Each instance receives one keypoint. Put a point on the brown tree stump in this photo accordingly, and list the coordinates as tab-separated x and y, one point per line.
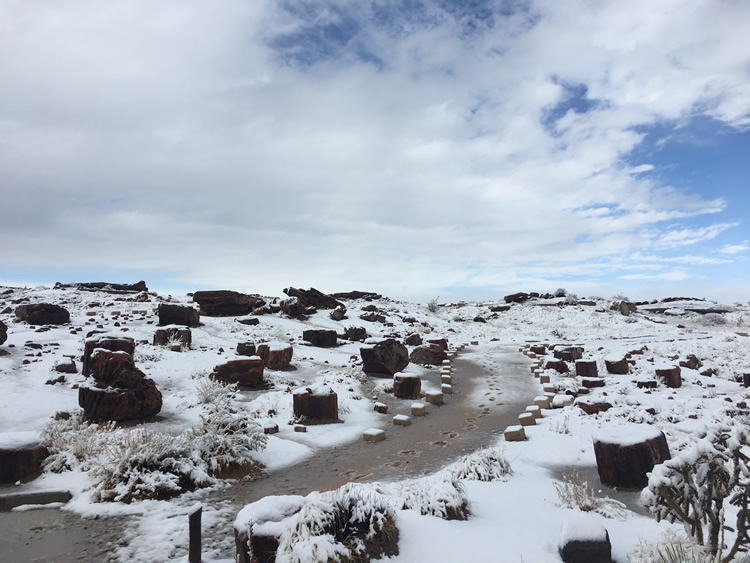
617	366
406	386
625	454
319	404
112	343
276	356
586	368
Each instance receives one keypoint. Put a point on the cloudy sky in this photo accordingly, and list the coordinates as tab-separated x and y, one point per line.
418	148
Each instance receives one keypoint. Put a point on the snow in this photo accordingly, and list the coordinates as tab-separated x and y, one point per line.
518	511
578	527
13	440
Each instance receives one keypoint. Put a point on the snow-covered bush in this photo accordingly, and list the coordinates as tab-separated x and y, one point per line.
432	305
442	495
483	465
712	319
702	486
670	549
72	441
560	292
571	299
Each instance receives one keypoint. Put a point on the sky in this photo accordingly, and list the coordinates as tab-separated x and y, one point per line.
420	149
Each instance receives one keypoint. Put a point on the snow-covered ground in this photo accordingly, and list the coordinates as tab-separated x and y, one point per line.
518	518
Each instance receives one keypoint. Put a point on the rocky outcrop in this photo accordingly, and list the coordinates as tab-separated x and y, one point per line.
246	373
432	355
313	298
320	337
43	314
384	359
111	343
178	315
226	303
276	356
121	391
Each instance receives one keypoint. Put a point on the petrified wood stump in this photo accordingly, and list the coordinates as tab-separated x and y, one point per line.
406	386
625	454
316	404
178	315
276	356
586	368
248	373
320	337
112	343
671	377
617	367
21	456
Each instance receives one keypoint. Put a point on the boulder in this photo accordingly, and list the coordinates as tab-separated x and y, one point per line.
66	365
111	343
373	318
671	377
338	313
626	454
21	456
594	408
384	359
292	307
413	340
320	337
406	386
175	338
442	342
617	366
226	303
246	373
178	315
276	355
432	355
3	332
313	298
559	366
246	349
43	314
121	392
519	297
320	403
356	333
370	309
586	368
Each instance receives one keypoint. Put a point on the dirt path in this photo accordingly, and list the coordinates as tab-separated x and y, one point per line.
490	391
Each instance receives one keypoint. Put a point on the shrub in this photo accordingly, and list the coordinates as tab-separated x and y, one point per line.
576	493
560	292
484	465
432	305
695	487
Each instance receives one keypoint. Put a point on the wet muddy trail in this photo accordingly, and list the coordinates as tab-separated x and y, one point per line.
490	390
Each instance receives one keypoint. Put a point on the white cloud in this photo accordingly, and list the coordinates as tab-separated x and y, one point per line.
176	135
732	249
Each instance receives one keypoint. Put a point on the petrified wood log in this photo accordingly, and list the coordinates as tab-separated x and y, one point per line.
617	367
247	373
671	377
428	355
320	337
385	358
276	356
406	386
21	456
586	368
226	303
318	404
111	343
313	298
42	314
178	315
625	454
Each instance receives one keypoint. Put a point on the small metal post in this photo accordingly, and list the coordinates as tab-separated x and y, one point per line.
194	517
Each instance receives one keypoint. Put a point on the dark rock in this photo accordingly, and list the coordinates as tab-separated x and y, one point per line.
55	381
339	313
226	303
385	358
66	366
3	332
249	322
276	356
691	362
442	342
43	314
592	382
356	333
587	550
21	461
313	298
651	384
178	315
112	343
710	372
539	350
370	308
373	318
320	404
246	349
499	308
406	386
569	354
320	337
519	297
428	355
366	295
413	340
106	287
410	320
247	373
671	377
627	465
175	338
559	366
292	307
617	367
594	408
586	368
479	320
